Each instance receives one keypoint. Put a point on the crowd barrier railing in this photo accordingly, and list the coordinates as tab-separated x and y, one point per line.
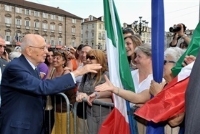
73	108
96	102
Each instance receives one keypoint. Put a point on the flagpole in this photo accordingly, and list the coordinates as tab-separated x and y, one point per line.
157	18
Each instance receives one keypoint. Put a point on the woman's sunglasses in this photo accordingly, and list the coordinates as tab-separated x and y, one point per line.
90	57
165	61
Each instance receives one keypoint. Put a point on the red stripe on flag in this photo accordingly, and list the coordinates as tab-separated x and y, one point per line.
115	123
168	103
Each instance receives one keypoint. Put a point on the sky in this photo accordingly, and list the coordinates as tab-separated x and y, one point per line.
176	11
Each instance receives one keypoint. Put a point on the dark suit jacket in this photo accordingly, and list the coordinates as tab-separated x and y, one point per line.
192	113
22	108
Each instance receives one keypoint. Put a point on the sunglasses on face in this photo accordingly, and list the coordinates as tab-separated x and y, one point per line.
90	57
170	61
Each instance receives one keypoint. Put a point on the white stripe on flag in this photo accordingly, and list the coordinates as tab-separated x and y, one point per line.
185	71
113	60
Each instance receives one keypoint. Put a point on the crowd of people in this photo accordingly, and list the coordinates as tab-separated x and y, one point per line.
34	73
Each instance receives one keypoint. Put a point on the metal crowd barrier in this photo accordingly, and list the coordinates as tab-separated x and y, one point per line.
74	110
68	109
49	104
97	102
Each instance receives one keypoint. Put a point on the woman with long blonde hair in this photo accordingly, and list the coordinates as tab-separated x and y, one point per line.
86	90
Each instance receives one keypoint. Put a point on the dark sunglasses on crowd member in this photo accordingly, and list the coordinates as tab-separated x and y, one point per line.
90	57
165	61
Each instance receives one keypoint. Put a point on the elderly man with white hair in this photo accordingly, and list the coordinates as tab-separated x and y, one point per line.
22	90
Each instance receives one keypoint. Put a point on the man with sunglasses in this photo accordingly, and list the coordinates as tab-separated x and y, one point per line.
3	62
23	92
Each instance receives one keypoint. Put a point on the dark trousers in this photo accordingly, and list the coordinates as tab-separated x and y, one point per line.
49	121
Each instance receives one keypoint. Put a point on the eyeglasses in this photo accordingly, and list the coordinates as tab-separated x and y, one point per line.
90	57
170	61
42	48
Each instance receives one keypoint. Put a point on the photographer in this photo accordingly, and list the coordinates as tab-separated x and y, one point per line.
179	33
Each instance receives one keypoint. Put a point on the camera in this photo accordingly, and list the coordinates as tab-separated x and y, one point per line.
177	28
174	29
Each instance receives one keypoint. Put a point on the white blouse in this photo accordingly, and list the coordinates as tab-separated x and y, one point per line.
145	84
139	87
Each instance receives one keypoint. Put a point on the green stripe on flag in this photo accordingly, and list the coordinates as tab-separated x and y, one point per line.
192	49
114	32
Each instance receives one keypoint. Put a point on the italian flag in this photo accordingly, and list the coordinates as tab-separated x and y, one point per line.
171	100
119	72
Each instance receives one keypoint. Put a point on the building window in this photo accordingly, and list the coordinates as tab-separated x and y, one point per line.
52	27
92	25
27	12
103	36
59	41
73	43
18	22
36	24
27	23
92	34
74	21
73	30
7	20
18	10
45	15
8	8
91	17
53	16
99	26
44	26
99	35
60	18
60	28
36	13
52	41
100	46
18	37
8	37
